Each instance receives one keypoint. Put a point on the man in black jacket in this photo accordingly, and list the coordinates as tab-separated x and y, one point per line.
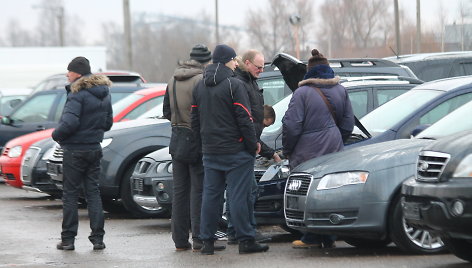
87	115
221	115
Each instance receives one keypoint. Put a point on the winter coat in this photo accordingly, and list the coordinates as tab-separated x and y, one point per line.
186	75
221	113
87	114
257	108
309	129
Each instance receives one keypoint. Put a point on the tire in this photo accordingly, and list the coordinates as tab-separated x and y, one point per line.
131	206
411	239
367	243
290	230
460	247
113	206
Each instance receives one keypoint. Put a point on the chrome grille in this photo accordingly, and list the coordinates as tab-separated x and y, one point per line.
298	184
431	165
142	167
58	153
294	215
29	160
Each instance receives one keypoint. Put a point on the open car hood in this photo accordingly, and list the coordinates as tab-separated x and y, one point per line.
293	70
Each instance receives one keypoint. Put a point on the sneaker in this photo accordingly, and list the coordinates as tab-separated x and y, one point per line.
99	246
65	246
251	246
301	244
183	248
198	245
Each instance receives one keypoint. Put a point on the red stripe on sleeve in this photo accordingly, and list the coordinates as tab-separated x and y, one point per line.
246	109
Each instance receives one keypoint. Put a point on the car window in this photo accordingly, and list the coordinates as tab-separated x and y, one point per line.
463	68
123	103
449	124
275	89
384	95
467	68
144	107
6	103
392	112
117	96
36	109
359	101
60	108
445	108
154	112
433	72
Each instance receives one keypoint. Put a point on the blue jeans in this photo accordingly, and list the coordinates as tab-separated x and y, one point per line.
235	172
82	168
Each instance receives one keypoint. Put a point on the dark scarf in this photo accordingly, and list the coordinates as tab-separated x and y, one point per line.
320	71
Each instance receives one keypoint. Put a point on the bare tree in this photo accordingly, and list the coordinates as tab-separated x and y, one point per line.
18	36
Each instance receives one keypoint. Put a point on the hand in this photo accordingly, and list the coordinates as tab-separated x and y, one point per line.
276	158
258	150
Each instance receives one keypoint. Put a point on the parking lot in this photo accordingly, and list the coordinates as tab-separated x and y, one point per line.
31	228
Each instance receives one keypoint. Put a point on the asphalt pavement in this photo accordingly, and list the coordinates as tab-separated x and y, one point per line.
31	225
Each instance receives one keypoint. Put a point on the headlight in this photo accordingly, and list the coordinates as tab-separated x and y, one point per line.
48	153
337	180
464	169
164	167
15	151
106	142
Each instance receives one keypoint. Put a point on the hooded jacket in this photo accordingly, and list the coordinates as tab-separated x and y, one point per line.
309	129
221	114
186	75
257	107
87	114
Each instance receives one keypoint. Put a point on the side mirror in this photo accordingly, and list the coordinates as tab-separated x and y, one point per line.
6	120
418	129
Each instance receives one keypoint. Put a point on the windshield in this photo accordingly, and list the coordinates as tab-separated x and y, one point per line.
454	122
280	108
392	112
124	103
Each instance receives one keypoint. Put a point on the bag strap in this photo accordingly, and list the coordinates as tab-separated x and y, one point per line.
177	111
330	107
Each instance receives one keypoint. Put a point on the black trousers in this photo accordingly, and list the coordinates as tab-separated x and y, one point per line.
186	201
82	169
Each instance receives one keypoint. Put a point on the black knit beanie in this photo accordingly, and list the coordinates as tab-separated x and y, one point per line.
79	65
200	53
223	54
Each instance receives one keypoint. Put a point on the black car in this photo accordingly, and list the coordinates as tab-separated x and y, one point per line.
125	144
439	197
433	66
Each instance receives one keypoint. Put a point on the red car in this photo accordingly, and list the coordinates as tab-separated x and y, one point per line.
127	108
139	102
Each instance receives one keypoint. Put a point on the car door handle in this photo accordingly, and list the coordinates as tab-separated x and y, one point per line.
39	128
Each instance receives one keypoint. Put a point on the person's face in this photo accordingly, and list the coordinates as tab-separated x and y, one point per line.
256	66
72	76
232	64
268	122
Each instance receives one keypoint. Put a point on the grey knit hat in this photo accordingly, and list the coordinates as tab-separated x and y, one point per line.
200	53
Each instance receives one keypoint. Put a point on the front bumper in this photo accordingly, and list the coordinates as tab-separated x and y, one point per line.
10	171
269	207
431	206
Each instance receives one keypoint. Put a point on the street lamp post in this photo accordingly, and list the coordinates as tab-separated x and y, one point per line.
295	21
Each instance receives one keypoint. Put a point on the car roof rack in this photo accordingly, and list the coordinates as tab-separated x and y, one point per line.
361	62
382	78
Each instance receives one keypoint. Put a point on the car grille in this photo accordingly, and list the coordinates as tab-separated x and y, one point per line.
431	165
142	167
138	185
58	153
258	174
298	184
294	215
5	152
29	160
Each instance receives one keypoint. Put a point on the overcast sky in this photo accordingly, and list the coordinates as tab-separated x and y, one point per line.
231	12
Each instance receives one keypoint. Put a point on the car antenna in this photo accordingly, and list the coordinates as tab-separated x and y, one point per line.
394	52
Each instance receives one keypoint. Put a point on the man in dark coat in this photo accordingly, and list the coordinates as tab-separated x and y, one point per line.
222	117
318	119
187	177
86	116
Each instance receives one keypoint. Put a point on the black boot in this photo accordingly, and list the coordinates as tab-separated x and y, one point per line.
251	246
208	247
198	244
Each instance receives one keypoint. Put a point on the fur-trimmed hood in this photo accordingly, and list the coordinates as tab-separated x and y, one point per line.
320	81
89	81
